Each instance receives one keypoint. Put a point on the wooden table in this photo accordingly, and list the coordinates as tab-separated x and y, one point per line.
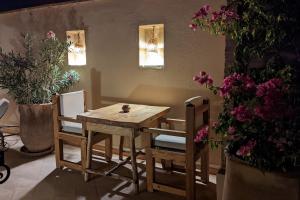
112	120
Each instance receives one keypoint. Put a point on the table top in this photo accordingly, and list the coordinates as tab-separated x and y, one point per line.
135	118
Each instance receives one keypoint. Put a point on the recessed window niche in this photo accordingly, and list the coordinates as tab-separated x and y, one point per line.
77	49
151	46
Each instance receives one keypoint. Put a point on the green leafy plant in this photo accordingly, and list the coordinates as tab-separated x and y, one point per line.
35	75
258	122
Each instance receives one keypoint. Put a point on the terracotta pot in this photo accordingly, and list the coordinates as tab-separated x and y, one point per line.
36	128
243	182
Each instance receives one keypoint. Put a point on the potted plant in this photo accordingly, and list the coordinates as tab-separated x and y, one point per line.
31	78
259	123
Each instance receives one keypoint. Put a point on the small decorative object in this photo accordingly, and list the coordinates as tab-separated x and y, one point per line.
32	77
151	45
125	108
77	49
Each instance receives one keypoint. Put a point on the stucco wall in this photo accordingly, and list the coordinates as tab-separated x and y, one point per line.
112	72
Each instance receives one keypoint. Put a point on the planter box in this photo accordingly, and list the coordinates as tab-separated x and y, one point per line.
36	127
220	183
243	182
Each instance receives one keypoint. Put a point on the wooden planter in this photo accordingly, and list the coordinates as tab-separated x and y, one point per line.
36	127
243	182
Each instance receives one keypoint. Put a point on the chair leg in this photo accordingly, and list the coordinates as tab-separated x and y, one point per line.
59	152
121	146
87	151
133	163
190	180
108	148
205	165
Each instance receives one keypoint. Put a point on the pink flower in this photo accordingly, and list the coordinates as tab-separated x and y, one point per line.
231	130
203	78
245	150
231	15
193	26
210	81
201	135
215	16
279	143
203	12
273	104
238	81
50	35
269	87
70	77
241	113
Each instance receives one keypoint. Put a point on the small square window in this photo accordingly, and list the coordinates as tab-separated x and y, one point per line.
77	49
151	46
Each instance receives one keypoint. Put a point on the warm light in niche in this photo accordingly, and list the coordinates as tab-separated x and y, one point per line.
77	53
151	46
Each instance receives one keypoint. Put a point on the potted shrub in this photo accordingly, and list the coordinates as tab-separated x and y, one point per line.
31	78
259	123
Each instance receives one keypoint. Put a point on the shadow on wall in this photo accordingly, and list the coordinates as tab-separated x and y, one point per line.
57	21
164	96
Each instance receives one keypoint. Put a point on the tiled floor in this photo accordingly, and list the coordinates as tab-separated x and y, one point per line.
35	178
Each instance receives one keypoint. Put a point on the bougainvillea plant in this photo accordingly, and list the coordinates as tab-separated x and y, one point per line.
34	76
258	123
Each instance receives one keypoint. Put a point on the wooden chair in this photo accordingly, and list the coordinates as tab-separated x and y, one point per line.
6	129
179	147
67	129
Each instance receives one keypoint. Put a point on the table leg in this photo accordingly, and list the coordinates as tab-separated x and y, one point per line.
121	148
133	162
89	154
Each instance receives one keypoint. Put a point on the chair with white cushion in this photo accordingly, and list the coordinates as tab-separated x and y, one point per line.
178	147
67	129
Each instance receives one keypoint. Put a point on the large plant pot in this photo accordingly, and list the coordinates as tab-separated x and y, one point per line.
243	182
36	128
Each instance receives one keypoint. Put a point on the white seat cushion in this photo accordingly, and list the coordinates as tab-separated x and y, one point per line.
171	142
72	129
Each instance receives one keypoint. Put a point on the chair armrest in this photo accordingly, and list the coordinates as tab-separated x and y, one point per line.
164	131
8	126
174	121
68	119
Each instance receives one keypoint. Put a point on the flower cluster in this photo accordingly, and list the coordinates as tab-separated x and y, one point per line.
279	143
201	135
249	105
216	21
202	12
50	35
241	113
225	14
271	93
203	78
236	80
245	150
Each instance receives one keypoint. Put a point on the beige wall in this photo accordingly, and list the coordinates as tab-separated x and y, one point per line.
112	72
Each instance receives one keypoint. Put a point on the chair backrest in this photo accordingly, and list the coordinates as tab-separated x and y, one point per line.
69	105
197	117
4	103
72	104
